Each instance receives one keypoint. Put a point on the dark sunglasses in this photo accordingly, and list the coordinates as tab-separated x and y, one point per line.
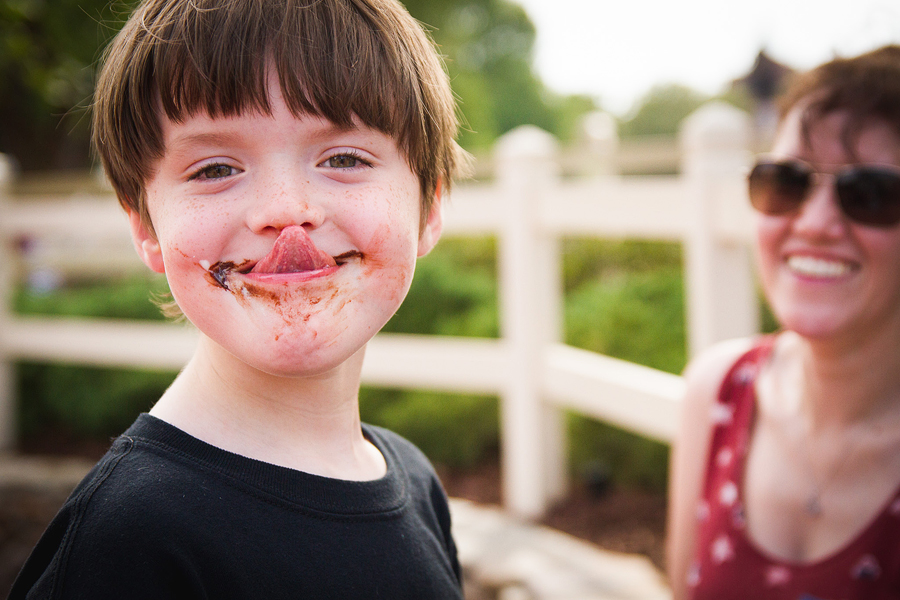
867	194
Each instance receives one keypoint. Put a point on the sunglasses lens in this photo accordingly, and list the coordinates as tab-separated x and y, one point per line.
777	188
870	196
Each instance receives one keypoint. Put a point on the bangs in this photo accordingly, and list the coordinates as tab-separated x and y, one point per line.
327	60
337	59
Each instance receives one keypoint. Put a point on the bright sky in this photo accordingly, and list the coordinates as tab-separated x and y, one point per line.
616	50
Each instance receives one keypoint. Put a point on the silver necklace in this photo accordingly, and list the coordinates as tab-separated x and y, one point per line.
813	503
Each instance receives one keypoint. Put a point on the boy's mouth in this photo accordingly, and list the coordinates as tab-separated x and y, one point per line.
293	252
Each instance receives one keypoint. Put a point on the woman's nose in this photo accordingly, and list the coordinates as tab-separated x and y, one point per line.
820	214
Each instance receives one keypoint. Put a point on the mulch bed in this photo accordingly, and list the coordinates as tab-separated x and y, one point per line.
622	520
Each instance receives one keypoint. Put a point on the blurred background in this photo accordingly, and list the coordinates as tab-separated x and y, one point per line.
543	62
550	63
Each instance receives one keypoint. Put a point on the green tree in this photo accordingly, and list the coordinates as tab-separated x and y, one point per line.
661	111
47	55
49	52
488	45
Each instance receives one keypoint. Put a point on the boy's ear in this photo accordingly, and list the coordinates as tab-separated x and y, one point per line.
145	243
431	233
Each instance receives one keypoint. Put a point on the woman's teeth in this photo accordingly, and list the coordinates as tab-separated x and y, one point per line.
817	267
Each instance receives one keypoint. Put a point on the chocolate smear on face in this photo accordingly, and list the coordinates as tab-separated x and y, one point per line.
346	256
218	273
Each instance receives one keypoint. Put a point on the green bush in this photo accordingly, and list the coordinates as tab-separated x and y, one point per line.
122	298
635	317
86	402
452	429
590	259
454	292
626	300
630	460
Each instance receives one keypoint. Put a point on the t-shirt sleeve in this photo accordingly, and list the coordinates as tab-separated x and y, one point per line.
442	510
107	542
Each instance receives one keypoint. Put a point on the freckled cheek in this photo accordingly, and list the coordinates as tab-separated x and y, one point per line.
388	262
392	285
389	243
195	237
393	248
182	257
369	212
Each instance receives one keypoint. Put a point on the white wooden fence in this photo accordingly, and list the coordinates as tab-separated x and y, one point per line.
529	207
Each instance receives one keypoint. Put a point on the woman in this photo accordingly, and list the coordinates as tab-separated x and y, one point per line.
786	474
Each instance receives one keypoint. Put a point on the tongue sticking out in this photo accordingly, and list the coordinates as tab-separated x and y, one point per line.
294	252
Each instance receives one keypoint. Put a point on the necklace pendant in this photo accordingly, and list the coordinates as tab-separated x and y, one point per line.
813	505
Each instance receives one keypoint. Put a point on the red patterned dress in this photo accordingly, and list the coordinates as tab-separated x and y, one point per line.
728	565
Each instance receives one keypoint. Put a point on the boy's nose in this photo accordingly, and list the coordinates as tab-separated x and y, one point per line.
282	204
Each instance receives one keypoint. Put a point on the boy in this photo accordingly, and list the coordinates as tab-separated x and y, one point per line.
282	162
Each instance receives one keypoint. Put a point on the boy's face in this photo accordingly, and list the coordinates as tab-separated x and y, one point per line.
287	241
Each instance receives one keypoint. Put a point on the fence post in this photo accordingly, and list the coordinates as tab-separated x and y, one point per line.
7	383
532	433
719	275
601	137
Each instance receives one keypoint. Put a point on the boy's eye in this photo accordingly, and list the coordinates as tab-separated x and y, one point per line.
345	161
216	171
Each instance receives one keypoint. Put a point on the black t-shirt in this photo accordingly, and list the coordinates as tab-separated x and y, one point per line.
165	515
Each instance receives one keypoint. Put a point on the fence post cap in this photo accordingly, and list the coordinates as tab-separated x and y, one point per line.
716	124
526	141
600	126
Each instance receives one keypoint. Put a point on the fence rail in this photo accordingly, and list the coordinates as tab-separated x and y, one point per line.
529	207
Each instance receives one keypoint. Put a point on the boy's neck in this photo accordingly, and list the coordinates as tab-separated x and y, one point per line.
306	423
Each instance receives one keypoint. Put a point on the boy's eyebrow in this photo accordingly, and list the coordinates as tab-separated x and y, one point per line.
188	139
230	137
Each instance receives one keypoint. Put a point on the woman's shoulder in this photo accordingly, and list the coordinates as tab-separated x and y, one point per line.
704	374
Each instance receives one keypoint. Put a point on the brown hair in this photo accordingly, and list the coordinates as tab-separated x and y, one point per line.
334	58
866	87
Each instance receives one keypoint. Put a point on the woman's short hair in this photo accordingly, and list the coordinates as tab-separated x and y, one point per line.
865	87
